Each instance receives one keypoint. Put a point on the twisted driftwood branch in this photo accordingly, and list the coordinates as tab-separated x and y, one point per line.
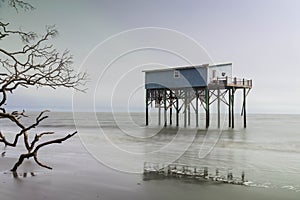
35	151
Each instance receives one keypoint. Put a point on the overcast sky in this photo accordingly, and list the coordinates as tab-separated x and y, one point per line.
260	37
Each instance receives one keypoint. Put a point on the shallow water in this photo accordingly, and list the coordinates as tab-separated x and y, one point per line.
268	150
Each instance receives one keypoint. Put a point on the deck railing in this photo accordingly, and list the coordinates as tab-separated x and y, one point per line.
233	81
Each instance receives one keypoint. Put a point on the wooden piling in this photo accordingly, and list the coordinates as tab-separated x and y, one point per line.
244	107
165	108
207	106
189	114
232	108
219	109
171	105
159	113
196	111
177	111
185	107
229	107
147	119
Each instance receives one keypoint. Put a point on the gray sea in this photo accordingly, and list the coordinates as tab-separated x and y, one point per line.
268	150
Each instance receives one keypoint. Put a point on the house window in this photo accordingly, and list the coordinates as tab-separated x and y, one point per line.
176	74
214	74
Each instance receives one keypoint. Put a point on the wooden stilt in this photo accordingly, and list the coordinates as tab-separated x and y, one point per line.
159	112
177	111
207	106
232	108
147	120
244	107
185	106
165	108
197	120
229	107
189	114
219	109
171	105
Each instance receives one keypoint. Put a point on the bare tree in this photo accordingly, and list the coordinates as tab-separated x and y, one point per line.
35	63
18	4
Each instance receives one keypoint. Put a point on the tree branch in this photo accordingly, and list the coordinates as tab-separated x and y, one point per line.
17	4
35	152
35	63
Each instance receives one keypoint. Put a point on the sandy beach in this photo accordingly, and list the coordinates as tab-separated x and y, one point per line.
77	175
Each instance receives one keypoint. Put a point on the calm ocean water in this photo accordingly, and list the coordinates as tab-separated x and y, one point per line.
268	150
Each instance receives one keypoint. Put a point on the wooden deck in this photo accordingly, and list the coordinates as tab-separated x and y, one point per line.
228	82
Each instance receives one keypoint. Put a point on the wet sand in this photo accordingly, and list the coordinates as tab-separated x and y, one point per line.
76	175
